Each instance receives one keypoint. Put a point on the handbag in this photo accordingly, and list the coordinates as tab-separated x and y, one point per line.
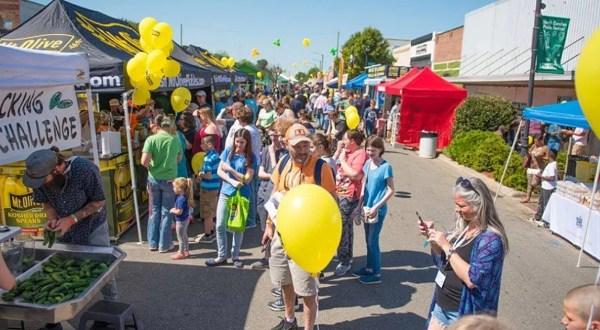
238	207
358	214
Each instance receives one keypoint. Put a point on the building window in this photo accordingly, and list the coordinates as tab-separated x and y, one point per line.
8	24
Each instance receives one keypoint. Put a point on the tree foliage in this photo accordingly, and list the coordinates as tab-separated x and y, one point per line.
487	152
302	77
483	112
262	64
368	42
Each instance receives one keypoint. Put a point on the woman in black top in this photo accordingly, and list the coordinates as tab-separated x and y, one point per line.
187	125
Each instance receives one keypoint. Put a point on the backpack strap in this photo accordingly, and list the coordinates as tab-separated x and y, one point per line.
283	162
318	167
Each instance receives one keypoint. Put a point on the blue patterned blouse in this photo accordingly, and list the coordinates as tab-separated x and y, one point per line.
487	259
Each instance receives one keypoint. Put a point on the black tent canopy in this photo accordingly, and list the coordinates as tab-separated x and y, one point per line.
109	43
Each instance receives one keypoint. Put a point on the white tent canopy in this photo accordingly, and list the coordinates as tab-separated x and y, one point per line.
24	68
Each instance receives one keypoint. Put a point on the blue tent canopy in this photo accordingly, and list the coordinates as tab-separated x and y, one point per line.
357	82
562	114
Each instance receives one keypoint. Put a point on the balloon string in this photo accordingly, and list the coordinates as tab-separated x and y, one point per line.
589	323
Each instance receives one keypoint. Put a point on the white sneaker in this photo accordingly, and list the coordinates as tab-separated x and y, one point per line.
341	270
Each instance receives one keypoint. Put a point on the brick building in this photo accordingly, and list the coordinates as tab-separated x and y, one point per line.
15	12
448	48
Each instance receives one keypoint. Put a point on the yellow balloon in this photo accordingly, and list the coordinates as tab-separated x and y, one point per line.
298	228
168	49
586	81
157	60
136	67
180	99
152	80
140	96
224	61
352	120
146	45
259	75
351	109
161	35
172	68
145	28
198	162
231	62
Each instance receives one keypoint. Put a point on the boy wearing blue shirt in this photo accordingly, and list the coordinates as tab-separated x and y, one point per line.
209	191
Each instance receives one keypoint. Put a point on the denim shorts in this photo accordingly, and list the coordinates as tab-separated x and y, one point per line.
443	317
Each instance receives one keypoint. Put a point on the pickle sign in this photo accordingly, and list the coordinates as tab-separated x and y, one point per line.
56	102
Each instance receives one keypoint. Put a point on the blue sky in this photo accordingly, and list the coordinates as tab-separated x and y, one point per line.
237	26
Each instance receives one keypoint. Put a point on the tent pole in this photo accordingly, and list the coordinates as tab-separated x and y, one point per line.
132	166
508	160
589	215
92	123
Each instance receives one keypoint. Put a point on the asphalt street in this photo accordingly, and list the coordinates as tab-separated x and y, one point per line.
538	271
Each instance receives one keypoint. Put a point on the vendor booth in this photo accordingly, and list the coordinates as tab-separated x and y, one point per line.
428	104
109	43
47	115
573	210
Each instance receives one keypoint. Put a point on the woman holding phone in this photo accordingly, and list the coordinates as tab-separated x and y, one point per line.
469	257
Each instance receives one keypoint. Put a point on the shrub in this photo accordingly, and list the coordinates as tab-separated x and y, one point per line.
486	151
484	113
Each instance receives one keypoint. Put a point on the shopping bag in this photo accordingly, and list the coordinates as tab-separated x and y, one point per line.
238	207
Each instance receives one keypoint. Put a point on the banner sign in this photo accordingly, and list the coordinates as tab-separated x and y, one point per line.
34	119
551	42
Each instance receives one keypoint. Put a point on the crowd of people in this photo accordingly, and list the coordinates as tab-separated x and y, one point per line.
258	147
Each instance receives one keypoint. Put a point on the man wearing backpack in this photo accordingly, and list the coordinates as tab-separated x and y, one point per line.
299	167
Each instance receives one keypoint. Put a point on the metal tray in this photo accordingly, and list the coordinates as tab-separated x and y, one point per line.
55	313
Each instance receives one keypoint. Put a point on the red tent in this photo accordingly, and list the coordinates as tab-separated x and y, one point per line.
383	86
428	104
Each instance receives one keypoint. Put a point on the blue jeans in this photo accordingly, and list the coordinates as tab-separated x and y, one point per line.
320	118
222	216
99	237
162	199
251	222
443	317
372	237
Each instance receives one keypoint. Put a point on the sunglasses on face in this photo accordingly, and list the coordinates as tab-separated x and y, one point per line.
465	183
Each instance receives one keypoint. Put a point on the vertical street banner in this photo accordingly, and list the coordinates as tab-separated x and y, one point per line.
33	119
551	42
341	73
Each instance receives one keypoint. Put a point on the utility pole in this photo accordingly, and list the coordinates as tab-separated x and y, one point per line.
337	46
181	34
534	42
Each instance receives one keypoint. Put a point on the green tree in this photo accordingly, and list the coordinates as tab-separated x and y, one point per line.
302	77
366	45
312	72
262	64
483	112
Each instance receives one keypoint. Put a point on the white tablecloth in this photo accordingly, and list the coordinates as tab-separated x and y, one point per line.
568	219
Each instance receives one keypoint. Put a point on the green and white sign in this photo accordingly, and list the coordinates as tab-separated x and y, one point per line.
551	42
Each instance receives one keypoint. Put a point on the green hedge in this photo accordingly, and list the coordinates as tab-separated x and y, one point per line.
483	112
487	152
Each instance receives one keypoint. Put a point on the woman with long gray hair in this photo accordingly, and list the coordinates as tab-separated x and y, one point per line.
469	257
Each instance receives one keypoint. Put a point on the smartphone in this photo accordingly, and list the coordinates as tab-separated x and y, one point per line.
422	223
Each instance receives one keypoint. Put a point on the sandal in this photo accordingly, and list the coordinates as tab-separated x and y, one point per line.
524	201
